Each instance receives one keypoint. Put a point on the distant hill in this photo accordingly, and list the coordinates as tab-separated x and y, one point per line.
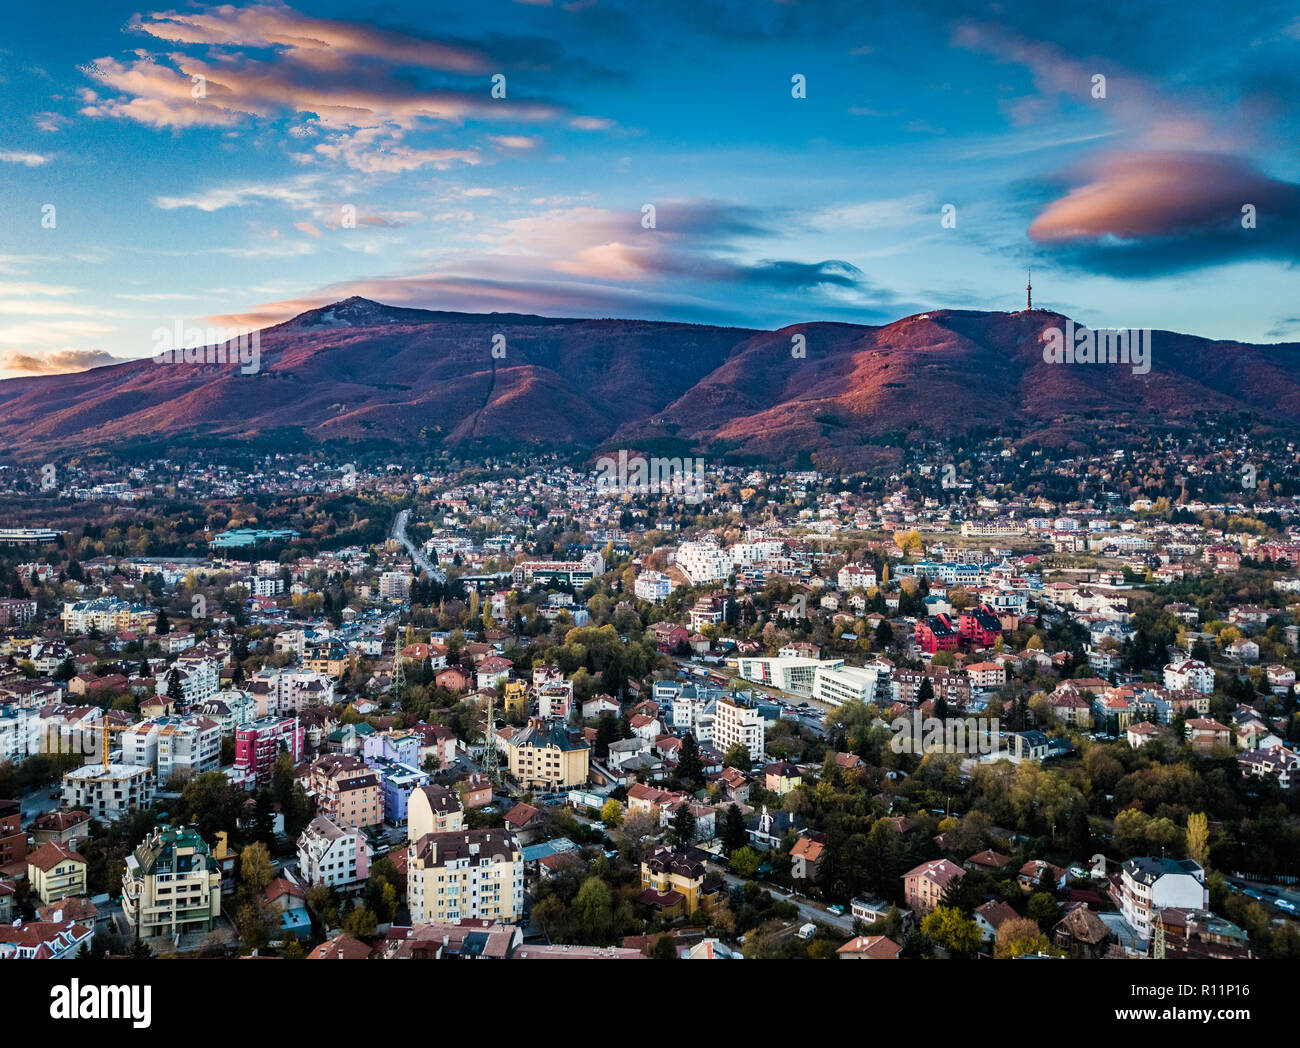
361	371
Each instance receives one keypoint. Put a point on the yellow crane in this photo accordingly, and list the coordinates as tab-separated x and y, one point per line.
105	735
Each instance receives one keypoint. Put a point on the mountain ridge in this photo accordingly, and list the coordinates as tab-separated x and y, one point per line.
830	393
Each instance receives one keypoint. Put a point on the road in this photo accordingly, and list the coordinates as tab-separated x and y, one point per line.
808	910
422	562
1268	894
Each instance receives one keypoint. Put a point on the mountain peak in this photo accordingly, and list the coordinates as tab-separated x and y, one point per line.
354	312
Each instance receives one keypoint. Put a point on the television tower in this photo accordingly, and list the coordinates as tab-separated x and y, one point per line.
1029	290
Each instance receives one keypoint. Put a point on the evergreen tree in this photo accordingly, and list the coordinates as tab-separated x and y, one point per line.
734	834
690	769
684	826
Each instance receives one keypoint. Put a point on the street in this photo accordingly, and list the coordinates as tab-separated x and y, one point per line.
399	533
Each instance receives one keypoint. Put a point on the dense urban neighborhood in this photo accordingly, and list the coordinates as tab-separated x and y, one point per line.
995	700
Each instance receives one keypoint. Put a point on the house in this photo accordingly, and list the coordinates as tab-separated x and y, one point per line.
1140	733
526	822
782	777
1206	734
677	882
804	856
870	948
990	916
71	908
924	886
291	900
1081	934
43	940
347	792
1276	762
475	790
988	860
55	871
768	829
1037	874
341	948
1189	673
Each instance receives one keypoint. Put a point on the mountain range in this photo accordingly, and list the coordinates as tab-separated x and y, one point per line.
824	394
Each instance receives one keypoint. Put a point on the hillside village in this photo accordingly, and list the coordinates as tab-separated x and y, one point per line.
307	710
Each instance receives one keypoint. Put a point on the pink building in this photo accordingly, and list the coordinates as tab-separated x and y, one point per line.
258	744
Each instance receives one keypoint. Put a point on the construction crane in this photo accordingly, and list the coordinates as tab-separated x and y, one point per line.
105	737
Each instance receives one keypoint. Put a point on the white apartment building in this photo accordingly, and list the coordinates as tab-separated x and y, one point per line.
465	873
106	614
703	562
839	684
109	794
168	745
338	856
200	680
855	576
19	732
736	723
653	586
746	554
1189	674
1149	885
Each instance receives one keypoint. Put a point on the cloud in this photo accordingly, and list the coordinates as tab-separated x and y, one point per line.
10	156
308	228
1166	211
15	362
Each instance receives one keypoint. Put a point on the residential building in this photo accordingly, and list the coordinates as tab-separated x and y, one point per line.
737	722
677	881
109	793
172	884
925	885
433	809
465	873
171	745
55	871
337	856
543	756
346	791
257	745
1149	885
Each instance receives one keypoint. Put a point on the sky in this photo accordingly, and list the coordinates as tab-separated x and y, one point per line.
752	163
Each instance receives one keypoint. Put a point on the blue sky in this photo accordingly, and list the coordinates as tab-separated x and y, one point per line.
769	209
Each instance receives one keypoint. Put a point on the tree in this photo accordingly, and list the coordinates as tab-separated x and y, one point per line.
592	909
684	825
689	767
738	757
611	814
174	691
360	922
953	930
884	635
255	867
1042	907
745	862
734	833
1198	839
664	949
1017	936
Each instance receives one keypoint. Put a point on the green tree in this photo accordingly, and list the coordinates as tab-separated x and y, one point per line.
611	813
953	930
689	767
255	871
745	862
738	757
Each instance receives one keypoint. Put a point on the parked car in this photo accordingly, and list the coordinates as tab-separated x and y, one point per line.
836	909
